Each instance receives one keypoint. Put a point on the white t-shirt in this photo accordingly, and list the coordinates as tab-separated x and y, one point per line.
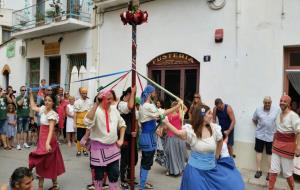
203	145
51	115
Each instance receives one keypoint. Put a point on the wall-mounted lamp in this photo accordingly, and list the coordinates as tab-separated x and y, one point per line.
60	39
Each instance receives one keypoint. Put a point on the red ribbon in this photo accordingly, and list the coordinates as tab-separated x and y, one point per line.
104	106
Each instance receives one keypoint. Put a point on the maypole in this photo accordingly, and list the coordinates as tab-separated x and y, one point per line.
134	17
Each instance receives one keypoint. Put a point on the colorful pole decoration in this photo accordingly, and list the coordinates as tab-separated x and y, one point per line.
134	17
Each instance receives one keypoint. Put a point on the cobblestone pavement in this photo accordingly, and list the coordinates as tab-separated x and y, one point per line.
77	174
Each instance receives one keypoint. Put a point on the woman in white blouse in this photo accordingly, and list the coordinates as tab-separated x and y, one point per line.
204	169
46	158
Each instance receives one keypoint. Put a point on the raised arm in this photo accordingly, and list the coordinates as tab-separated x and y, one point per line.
180	133
91	114
171	110
33	104
131	99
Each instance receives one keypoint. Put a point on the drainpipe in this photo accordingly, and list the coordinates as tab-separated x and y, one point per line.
237	29
99	24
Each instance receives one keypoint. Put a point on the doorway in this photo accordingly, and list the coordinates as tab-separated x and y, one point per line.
292	76
178	73
54	70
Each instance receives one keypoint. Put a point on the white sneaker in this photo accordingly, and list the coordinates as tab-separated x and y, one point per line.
19	147
26	145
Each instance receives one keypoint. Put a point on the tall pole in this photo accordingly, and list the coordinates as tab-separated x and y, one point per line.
133	119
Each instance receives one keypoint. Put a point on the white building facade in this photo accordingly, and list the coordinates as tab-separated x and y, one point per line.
51	39
259	44
258	56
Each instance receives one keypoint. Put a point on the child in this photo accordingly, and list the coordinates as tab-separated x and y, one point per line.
11	124
33	131
70	121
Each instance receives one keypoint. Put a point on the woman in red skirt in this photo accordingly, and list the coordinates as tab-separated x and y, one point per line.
47	158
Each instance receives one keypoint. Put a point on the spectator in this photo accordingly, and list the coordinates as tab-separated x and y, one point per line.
81	108
264	118
11	98
70	121
196	102
33	128
61	110
11	124
226	119
23	118
21	179
3	107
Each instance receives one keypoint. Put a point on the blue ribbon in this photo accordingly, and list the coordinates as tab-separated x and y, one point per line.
102	76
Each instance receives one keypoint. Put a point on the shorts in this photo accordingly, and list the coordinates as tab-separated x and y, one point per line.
23	124
80	133
259	146
2	126
230	137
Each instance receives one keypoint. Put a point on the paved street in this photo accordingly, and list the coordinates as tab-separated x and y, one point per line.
77	175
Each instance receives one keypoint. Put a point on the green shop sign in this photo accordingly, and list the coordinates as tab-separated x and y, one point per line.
10	49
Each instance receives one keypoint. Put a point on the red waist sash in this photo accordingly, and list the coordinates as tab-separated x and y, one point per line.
284	144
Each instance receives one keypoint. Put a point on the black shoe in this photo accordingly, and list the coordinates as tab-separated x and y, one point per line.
85	154
258	174
78	154
267	178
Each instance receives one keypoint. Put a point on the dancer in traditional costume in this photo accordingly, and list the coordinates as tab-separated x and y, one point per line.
81	107
125	106
175	148
148	114
202	171
286	144
47	158
104	122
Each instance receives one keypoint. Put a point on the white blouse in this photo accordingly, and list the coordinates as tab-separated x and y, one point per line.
203	145
51	115
149	112
98	125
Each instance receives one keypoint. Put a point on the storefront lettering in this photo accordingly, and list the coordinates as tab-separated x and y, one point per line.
173	58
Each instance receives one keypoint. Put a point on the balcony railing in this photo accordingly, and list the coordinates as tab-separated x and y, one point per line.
50	11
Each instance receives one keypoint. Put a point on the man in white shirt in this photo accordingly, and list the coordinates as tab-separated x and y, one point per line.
286	143
264	118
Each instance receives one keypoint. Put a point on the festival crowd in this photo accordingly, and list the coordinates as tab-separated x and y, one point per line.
194	142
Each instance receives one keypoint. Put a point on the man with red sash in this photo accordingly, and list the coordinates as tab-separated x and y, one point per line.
286	144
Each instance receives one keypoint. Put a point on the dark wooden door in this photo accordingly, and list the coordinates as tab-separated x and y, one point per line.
54	70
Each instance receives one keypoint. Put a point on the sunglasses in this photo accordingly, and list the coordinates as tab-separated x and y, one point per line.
23	90
196	96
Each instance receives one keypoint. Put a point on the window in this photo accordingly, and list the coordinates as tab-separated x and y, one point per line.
6	35
295	59
34	72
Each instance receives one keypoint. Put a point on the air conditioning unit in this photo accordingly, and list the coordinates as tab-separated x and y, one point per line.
22	51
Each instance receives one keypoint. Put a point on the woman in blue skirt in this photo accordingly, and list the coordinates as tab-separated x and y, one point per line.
205	169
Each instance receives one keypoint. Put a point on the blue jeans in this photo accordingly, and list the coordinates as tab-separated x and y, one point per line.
2	126
23	124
